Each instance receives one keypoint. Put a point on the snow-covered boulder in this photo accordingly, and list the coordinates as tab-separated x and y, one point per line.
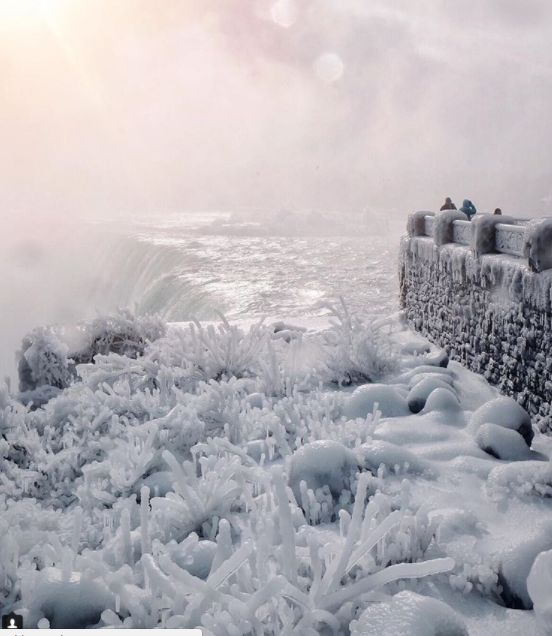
442	400
516	565
500	442
322	463
505	412
416	223
442	228
371	455
419	393
539	586
538	238
390	400
484	231
409	614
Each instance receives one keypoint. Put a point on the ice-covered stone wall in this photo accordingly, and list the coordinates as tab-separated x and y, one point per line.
492	311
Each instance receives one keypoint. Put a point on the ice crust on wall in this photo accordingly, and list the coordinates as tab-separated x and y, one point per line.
492	313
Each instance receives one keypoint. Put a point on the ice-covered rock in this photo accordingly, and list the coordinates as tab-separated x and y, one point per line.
442	399
505	412
500	442
322	463
419	393
539	586
371	455
73	601
409	614
390	400
516	565
437	359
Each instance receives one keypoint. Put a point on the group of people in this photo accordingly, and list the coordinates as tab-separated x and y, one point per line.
468	208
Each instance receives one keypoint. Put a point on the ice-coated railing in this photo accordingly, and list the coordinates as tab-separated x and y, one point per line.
508	237
428	224
487	233
461	232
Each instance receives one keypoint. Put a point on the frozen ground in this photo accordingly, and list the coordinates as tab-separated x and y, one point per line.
278	479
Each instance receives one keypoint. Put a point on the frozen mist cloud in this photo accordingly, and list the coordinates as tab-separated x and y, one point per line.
181	104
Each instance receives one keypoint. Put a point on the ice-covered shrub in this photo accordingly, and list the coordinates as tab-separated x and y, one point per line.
43	360
122	333
358	351
48	355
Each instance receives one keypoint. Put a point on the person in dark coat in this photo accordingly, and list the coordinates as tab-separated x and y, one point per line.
497	211
448	204
468	208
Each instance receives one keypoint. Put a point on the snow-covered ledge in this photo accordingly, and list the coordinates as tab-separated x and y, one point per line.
486	298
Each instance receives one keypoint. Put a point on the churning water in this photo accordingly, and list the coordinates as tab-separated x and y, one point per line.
184	266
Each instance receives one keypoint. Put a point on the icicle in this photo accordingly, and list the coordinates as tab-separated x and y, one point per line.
224	545
287	530
335	572
127	557
144	519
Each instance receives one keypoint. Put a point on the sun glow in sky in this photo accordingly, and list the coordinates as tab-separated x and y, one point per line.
112	105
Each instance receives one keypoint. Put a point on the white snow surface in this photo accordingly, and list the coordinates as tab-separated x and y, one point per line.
237	480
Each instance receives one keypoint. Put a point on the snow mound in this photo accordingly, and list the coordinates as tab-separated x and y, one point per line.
418	394
505	412
539	586
502	443
322	463
523	479
409	614
375	453
516	565
390	401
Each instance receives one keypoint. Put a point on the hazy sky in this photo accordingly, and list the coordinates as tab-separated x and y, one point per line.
139	105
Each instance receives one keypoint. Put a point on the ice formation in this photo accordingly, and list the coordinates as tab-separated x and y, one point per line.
229	478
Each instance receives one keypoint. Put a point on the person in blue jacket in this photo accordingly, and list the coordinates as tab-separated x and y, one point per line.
468	208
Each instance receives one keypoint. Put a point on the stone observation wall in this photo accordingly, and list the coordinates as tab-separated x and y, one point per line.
483	290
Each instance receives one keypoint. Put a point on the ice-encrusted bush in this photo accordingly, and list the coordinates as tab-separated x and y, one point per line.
148	486
48	356
123	333
43	360
357	351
